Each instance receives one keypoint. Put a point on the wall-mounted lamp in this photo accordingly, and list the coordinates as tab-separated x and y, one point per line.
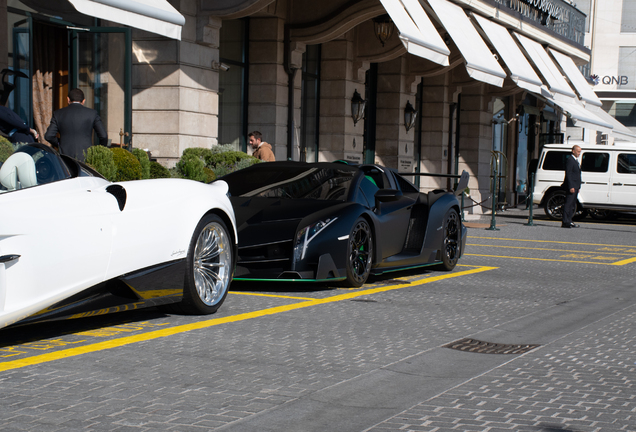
357	107
410	114
220	66
383	26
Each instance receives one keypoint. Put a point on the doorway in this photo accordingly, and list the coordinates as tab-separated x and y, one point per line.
54	56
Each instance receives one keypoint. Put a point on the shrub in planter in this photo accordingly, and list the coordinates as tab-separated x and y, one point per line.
202	153
6	149
101	159
128	167
144	161
158	171
222	148
191	166
210	175
228	158
220	170
246	162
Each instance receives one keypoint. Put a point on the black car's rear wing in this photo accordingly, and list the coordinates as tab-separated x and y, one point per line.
461	184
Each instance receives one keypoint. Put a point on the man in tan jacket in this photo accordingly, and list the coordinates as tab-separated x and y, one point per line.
262	150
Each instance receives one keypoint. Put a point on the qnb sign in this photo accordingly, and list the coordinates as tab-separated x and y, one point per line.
619	80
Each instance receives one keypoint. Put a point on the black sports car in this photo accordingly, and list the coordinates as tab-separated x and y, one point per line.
335	221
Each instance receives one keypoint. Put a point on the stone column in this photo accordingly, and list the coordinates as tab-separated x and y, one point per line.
339	138
476	140
175	87
437	98
268	91
393	143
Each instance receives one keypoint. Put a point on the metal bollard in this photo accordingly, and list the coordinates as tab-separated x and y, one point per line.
530	203
493	223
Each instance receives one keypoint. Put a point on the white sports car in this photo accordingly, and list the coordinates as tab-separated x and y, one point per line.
73	244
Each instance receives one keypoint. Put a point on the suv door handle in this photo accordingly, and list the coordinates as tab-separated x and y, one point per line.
617	184
8	258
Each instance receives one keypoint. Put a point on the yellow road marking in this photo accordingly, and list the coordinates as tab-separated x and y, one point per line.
119	342
550	241
550	259
625	261
546	249
270	295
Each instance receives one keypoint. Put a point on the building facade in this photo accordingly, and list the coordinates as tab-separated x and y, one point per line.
611	36
421	86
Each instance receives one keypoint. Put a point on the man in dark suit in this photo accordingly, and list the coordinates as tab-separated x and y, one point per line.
571	184
75	124
12	125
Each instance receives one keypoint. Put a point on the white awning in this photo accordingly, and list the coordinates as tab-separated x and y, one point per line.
551	74
580	116
480	62
417	32
576	78
155	16
520	70
619	130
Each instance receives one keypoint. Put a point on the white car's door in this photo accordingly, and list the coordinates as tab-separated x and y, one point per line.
623	182
595	177
55	241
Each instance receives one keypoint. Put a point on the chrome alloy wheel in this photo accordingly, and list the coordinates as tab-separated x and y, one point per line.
212	263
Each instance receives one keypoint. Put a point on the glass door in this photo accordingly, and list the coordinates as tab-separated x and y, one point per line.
100	66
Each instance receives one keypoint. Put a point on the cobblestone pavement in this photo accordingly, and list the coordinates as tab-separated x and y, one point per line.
322	358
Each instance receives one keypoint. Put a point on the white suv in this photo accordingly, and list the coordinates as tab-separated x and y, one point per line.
608	175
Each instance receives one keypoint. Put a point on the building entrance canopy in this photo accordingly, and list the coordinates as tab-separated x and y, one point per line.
155	16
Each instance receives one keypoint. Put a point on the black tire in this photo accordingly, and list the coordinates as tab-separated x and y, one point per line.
209	267
553	206
451	241
359	254
601	214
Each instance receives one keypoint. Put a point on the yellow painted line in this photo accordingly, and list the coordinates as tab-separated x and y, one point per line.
271	295
550	241
625	261
546	259
115	343
552	250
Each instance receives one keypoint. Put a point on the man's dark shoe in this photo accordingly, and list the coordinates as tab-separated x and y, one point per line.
574	225
566	226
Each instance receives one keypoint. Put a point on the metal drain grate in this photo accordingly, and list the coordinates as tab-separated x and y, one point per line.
477	346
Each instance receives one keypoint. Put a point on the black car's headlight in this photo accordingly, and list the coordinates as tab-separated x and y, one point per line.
306	235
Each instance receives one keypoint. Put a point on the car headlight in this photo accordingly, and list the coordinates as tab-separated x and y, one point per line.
306	235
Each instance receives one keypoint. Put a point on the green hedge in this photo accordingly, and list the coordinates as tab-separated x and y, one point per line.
144	161
196	163
158	171
192	167
101	159
128	167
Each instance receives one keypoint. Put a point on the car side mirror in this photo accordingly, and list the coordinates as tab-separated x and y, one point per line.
387	195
